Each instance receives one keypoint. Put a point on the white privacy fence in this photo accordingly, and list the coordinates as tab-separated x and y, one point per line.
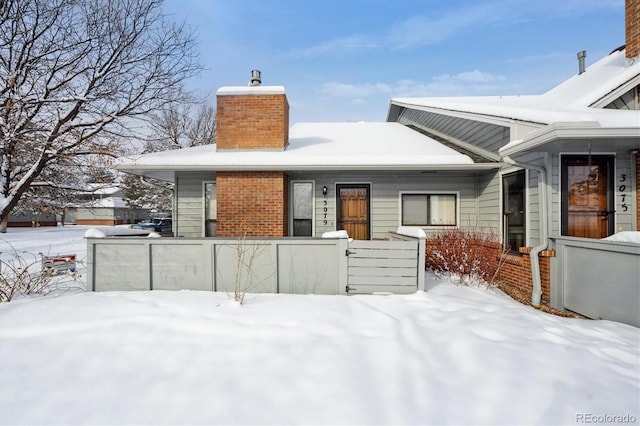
597	278
279	265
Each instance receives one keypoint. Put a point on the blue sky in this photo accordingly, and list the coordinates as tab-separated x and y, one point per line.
343	60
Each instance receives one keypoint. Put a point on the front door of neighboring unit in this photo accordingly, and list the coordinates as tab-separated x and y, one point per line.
353	210
587	196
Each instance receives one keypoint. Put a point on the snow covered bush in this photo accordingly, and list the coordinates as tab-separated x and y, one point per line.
468	255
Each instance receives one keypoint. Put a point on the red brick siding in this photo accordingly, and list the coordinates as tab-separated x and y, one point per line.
515	273
21	224
249	121
252	204
632	28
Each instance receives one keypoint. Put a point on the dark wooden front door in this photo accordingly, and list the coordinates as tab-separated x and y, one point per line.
353	210
587	196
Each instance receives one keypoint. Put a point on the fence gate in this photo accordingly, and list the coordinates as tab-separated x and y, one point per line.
382	267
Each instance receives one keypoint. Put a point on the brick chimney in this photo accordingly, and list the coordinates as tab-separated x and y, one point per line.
253	118
252	203
632	29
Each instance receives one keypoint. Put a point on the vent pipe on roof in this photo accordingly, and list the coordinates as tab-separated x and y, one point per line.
255	78
581	55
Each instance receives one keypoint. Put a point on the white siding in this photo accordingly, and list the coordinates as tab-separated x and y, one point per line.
489	202
385	197
189	203
625	190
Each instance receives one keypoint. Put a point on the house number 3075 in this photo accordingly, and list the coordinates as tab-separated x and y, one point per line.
622	191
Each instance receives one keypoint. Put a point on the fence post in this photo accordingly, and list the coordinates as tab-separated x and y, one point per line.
342	245
91	270
422	244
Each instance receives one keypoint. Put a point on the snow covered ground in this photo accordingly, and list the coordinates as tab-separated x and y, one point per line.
450	355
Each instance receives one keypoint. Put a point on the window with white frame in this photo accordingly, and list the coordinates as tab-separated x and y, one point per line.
302	200
428	209
210	210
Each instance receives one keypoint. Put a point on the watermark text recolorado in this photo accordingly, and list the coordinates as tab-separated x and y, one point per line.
590	418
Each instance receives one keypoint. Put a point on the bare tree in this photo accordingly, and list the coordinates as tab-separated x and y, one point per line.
77	75
182	126
179	126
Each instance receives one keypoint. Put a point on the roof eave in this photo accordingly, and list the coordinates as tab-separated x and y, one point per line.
555	131
138	169
476	116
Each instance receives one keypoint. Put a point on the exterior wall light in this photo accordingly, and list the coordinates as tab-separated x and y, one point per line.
324	190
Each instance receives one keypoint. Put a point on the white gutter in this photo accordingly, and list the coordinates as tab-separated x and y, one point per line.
536	294
571	130
283	167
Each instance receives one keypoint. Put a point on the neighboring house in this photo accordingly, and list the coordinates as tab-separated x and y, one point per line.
570	163
102	204
31	219
529	168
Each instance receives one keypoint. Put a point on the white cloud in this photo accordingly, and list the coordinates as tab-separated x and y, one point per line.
473	77
341	45
473	82
345	90
423	30
427	29
468	83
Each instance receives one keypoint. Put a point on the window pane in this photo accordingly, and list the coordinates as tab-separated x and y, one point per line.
442	209
513	205
414	210
302	228
302	200
210	211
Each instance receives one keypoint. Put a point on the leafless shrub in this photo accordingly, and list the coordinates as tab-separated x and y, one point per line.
248	270
22	273
245	277
470	255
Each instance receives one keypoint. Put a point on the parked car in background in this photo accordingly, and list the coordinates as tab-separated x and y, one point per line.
160	225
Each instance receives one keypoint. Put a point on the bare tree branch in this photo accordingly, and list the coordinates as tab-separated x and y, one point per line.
74	73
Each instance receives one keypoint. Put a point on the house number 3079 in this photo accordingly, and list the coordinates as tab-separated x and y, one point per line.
622	191
324	210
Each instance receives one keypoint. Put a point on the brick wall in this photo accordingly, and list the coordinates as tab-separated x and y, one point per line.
515	273
252	120
632	28
252	204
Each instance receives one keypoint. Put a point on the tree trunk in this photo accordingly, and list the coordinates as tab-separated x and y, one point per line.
3	225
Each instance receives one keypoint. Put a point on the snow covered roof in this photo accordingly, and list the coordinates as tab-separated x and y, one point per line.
250	90
568	101
316	146
577	100
107	202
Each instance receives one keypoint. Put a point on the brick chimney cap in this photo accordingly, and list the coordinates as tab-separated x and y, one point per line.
250	90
